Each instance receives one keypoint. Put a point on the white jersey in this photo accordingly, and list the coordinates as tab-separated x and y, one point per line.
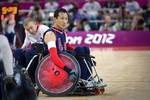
38	38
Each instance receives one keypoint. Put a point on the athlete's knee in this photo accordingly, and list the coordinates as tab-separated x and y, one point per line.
82	50
87	50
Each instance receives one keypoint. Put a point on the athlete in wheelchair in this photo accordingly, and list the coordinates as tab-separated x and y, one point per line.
14	84
65	70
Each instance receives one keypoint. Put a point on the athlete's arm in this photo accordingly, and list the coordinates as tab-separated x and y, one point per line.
50	40
26	40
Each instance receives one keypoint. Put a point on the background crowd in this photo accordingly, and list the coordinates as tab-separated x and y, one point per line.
85	15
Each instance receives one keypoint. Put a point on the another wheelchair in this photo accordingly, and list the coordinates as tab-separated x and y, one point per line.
21	88
3	94
54	81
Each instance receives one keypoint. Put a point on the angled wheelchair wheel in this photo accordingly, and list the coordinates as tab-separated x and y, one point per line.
3	90
53	80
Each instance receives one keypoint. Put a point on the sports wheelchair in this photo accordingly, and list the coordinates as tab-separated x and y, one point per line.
54	81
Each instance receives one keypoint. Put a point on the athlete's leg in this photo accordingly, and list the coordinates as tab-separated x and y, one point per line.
19	55
85	74
7	56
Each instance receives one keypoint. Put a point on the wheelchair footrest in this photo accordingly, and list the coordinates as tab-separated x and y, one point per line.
83	91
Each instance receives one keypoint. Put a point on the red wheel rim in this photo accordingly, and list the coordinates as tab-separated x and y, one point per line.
51	82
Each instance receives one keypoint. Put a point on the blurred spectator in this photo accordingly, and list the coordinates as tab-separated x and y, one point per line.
91	8
111	7
140	26
118	24
100	18
36	13
81	25
51	5
135	21
10	0
77	26
123	21
100	15
107	25
19	17
8	27
68	5
112	4
146	15
20	33
132	6
74	13
85	25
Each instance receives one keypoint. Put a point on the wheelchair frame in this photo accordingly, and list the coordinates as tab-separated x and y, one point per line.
95	89
81	86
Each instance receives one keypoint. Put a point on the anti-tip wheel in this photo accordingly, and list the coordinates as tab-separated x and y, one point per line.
99	91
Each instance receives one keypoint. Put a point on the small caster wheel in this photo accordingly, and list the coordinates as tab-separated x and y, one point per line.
102	90
99	91
37	90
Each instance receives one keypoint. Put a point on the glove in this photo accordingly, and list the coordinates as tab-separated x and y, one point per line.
72	74
10	81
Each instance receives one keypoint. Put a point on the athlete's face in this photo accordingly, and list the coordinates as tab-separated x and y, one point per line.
31	27
62	20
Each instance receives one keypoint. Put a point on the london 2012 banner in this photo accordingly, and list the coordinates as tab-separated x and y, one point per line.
110	39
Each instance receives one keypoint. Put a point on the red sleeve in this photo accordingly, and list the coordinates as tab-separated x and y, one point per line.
55	58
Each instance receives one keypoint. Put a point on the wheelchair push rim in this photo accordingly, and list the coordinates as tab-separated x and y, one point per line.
53	80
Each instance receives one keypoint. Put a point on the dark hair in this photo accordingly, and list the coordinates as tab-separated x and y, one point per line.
140	22
60	10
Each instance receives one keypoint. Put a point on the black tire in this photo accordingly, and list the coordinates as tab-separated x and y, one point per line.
65	92
3	90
